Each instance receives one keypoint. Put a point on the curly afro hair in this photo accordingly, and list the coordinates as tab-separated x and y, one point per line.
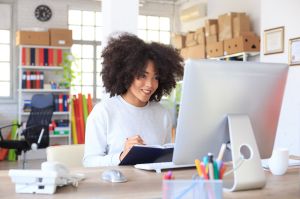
125	58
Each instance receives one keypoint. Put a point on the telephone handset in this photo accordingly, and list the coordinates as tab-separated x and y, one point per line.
61	169
45	180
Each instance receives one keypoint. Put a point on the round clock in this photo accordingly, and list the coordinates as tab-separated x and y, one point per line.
43	13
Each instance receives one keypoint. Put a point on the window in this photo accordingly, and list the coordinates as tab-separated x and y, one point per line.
87	27
5	49
87	34
154	28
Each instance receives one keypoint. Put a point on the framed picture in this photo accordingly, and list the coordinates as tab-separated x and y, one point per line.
294	51
274	40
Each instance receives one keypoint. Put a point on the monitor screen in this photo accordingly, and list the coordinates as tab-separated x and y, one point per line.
213	89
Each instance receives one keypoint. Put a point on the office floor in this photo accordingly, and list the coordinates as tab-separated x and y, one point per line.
30	164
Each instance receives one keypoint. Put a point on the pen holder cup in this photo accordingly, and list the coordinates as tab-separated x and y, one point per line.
204	189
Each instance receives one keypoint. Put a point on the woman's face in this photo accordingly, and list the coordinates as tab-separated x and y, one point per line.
141	89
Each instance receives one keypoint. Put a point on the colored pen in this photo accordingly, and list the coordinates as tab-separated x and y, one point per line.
216	170
168	176
198	167
202	166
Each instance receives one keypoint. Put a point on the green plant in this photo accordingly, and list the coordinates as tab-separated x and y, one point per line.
69	61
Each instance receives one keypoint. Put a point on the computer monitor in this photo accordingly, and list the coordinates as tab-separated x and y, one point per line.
213	89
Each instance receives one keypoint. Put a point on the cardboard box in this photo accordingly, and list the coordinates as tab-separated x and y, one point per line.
32	38
225	23
215	49
241	24
211	39
184	52
190	39
248	43
178	41
193	52
60	37
211	27
197	52
200	36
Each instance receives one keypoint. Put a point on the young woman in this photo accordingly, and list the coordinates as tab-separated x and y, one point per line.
136	75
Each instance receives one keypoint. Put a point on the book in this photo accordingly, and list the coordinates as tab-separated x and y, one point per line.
140	154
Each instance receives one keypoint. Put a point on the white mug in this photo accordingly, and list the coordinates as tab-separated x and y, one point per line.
279	161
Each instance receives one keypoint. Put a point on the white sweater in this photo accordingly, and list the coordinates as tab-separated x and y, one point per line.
113	120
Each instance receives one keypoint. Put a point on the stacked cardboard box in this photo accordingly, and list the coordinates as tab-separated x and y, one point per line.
53	37
229	34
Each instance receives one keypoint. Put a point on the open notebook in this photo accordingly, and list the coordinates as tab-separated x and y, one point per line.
148	154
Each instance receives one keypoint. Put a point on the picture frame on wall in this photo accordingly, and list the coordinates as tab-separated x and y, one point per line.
294	51
274	40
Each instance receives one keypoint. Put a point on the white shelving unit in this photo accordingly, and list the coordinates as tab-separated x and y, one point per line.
243	55
50	72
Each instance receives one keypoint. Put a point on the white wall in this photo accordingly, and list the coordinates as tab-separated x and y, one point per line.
218	7
24	19
285	13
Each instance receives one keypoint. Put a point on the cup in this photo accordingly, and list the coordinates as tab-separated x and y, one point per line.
279	161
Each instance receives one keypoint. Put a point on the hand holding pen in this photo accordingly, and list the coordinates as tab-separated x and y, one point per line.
130	141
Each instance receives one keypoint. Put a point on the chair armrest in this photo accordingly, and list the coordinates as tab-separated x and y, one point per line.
3	127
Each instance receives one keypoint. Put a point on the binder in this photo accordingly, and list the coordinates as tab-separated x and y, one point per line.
23	57
77	118
41	56
59	57
65	103
27	56
32	56
38	80
46	63
56	103
55	57
82	124
28	82
42	79
37	56
23	79
33	79
50	57
60	102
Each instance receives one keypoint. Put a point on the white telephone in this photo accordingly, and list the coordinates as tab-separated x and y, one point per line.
44	181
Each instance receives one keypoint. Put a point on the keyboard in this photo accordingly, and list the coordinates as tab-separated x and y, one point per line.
161	166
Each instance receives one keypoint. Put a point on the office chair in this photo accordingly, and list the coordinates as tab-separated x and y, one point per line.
36	132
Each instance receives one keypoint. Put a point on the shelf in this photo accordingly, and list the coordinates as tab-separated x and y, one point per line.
54	113
59	136
37	46
45	90
41	67
241	54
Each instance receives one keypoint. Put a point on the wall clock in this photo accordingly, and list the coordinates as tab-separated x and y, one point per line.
43	13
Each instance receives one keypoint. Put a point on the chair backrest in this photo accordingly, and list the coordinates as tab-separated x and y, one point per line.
70	155
42	106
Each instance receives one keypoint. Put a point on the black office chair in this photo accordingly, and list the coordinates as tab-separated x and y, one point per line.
36	132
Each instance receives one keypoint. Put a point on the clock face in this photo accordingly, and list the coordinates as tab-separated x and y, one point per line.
43	13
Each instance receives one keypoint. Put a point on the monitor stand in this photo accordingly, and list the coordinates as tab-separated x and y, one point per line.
249	173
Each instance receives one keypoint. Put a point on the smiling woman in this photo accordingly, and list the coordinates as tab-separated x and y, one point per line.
136	74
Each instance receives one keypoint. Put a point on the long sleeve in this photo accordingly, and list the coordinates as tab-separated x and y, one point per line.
95	154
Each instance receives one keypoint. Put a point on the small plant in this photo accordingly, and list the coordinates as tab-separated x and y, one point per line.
68	73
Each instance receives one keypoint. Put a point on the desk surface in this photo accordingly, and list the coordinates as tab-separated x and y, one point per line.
144	184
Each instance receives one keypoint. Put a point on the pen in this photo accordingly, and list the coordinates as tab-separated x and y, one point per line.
198	167
221	152
211	166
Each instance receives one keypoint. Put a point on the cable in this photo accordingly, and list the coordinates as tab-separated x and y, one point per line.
239	163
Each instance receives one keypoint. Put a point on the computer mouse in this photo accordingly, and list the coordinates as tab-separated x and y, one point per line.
113	175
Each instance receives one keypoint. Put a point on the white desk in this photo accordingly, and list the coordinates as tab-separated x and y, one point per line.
144	184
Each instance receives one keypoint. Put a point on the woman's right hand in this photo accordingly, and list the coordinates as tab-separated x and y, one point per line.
130	141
